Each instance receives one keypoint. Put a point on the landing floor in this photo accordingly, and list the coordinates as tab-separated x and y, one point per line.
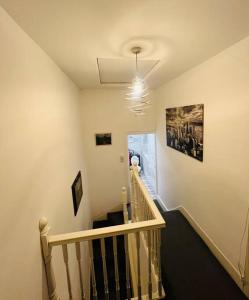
190	271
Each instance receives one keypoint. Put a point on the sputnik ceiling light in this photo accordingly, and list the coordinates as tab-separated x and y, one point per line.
136	97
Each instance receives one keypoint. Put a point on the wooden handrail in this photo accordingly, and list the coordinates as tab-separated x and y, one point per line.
92	234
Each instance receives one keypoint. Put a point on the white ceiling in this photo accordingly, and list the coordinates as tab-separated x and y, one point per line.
179	33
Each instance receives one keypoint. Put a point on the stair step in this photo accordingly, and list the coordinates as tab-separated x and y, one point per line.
101	224
116	218
113	218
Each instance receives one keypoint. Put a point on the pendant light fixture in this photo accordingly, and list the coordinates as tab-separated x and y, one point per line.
136	96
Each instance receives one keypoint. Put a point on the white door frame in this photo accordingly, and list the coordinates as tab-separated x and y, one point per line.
141	133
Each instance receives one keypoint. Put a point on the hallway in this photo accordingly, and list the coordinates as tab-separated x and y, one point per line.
79	77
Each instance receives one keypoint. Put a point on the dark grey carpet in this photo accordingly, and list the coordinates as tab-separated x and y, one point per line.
190	271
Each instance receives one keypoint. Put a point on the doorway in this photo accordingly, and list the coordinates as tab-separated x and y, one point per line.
142	148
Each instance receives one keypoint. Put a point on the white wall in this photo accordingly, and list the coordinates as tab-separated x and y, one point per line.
104	110
41	152
216	191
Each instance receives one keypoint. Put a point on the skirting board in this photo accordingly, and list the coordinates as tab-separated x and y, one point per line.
224	261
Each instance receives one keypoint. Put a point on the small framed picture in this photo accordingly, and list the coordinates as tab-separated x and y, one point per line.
77	192
103	139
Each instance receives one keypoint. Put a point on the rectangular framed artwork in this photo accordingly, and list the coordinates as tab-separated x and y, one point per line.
103	139
184	129
77	192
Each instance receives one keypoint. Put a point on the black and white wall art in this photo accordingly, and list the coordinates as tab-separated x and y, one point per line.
184	129
103	139
77	192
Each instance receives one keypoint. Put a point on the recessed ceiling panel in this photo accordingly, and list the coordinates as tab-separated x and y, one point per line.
121	71
181	34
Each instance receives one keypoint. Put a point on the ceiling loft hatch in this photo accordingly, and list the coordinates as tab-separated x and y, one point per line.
122	71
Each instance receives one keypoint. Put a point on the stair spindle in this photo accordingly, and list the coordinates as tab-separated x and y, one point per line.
79	259
134	201
139	289
65	257
159	262
139	199
155	251
133	198
124	202
153	247
143	208
149	266
92	270
146	212
115	252
127	268
103	254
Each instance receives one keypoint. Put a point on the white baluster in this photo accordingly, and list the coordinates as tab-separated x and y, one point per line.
124	202
138	267
47	257
114	240
155	251
95	294
133	197
142	206
159	262
153	246
136	202
146	210
127	268
79	259
149	265
139	204
104	268
65	257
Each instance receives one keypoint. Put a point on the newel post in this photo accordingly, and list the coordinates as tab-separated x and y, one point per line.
47	258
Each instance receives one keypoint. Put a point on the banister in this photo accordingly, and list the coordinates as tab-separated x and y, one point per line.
155	212
92	234
146	218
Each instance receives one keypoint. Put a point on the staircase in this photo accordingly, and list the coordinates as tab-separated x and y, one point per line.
113	219
119	252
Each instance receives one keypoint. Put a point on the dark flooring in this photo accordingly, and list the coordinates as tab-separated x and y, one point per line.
189	269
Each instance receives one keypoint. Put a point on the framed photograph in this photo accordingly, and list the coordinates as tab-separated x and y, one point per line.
77	192
184	129
103	139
